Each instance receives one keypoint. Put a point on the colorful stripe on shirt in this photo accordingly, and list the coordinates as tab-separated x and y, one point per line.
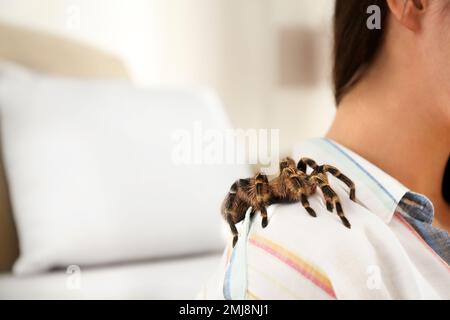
300	265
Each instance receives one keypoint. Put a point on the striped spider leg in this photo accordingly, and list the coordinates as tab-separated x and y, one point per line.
319	176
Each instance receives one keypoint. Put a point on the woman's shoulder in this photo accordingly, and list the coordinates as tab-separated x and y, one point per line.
291	224
297	255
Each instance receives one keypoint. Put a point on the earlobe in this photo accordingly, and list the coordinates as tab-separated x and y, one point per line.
408	13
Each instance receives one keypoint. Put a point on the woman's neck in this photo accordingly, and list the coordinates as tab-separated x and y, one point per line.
393	127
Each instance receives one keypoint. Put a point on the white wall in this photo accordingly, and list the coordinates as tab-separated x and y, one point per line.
163	42
303	112
229	45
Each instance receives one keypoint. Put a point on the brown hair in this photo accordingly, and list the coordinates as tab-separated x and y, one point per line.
355	45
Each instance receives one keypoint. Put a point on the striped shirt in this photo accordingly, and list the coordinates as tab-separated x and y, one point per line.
391	252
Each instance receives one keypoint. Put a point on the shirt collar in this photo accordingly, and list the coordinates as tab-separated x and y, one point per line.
376	190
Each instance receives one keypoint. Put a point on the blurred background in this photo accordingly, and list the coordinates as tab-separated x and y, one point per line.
269	60
91	204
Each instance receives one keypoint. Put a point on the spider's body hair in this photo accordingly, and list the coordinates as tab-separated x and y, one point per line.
292	185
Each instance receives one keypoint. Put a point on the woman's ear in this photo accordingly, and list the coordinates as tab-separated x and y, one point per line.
409	13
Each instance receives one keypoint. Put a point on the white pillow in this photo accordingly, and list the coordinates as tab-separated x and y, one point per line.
91	176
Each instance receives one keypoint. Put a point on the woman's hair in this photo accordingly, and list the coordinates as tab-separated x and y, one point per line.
446	183
355	45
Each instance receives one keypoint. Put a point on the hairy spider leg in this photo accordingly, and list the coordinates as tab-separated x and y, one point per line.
332	199
228	207
306	205
339	175
304	162
260	180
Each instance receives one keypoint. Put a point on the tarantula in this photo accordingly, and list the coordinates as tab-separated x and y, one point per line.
293	184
